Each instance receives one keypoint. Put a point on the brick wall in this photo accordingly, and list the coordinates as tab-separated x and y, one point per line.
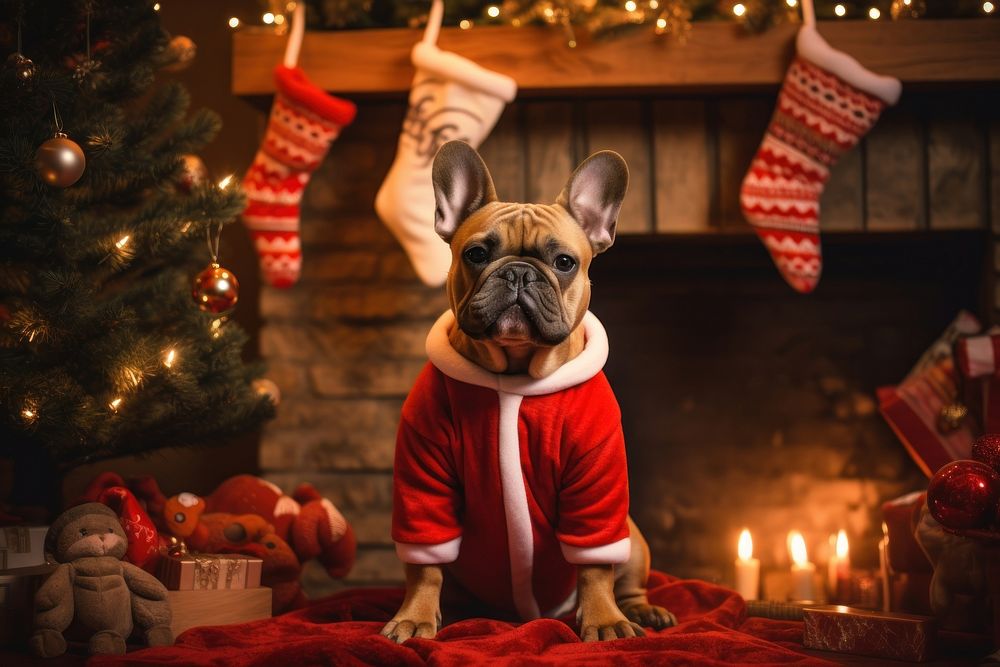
744	404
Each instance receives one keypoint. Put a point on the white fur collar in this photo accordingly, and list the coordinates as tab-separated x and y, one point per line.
585	366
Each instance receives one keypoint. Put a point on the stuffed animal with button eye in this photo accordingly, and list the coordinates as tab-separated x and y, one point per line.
94	590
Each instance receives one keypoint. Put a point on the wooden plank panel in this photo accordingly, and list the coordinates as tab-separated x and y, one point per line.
955	169
618	125
548	129
742	123
894	153
683	164
716	54
841	204
504	155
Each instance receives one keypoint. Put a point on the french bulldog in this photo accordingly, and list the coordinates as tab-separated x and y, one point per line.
510	484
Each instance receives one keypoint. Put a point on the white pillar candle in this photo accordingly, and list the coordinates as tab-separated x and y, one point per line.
803	572
747	568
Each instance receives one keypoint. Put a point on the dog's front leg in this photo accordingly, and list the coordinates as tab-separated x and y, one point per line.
599	616
420	614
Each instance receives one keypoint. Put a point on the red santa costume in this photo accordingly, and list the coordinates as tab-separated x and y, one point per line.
510	479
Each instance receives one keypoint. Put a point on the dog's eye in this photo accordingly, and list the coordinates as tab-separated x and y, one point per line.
564	263
476	254
179	517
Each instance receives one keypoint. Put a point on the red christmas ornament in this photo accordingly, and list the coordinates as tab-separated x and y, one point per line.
986	449
143	540
964	494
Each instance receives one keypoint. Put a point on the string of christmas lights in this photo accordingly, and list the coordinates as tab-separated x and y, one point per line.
670	18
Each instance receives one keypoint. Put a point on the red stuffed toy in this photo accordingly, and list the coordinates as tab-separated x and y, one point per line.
249	515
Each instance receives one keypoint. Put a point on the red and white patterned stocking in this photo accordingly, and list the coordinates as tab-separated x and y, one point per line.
304	122
828	102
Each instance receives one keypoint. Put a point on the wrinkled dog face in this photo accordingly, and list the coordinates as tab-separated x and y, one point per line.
519	271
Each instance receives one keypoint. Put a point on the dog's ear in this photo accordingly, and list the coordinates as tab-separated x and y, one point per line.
594	194
462	185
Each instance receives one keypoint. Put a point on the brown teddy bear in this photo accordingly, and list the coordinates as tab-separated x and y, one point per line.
94	589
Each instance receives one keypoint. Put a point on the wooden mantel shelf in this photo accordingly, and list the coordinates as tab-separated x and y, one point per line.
717	56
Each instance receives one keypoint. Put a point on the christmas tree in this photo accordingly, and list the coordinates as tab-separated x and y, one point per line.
104	351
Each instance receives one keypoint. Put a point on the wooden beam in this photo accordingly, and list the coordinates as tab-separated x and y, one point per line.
717	56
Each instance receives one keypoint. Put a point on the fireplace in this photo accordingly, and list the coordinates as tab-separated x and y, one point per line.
745	404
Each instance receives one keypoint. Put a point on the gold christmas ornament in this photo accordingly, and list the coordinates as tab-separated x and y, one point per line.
181	52
907	9
60	161
24	69
951	417
216	290
266	387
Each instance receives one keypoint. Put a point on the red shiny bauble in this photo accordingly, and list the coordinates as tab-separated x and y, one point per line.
986	449
964	494
216	290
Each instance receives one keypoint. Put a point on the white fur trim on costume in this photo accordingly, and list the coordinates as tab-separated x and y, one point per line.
520	535
614	553
585	366
454	67
429	554
810	45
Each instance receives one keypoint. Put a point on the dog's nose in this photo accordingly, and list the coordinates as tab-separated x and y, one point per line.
519	274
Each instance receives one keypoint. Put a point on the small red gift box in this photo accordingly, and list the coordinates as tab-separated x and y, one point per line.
187	572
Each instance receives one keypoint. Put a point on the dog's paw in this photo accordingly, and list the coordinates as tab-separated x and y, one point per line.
402	628
614	626
650	616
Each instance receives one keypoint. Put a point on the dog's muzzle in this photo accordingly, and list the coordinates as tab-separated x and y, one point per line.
520	284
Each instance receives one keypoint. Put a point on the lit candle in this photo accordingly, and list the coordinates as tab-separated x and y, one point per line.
747	568
839	567
802	570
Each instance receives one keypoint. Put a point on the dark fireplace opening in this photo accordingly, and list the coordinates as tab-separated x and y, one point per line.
746	404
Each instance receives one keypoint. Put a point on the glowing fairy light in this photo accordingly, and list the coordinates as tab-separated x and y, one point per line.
234	22
115	404
630	6
661	23
279	19
122	242
792	3
988	7
874	13
465	24
493	11
225	182
840	10
739	9
156	7
267	18
653	4
169	358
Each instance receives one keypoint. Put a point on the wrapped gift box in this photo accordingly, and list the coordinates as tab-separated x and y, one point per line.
192	609
870	633
22	546
210	572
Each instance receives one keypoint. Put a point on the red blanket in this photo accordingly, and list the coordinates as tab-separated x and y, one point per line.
343	629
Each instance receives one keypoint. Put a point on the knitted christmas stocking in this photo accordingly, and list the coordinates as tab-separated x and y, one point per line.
304	121
828	101
451	98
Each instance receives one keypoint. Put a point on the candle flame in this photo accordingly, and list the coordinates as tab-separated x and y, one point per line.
745	546
842	549
797	547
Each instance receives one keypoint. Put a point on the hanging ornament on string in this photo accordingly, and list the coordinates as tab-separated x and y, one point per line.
216	289
21	66
85	66
60	160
